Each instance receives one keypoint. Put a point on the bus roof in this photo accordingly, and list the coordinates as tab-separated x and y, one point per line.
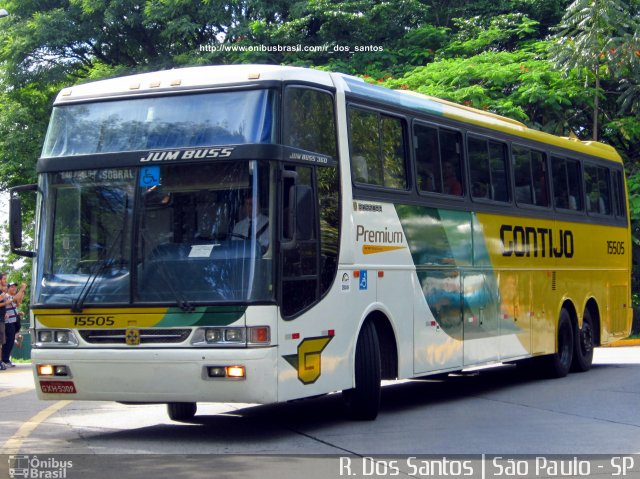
189	78
211	76
464	114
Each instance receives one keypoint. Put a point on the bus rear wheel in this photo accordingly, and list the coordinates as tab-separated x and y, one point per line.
363	401
181	411
583	348
559	363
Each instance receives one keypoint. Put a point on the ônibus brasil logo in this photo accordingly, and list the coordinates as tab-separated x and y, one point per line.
33	467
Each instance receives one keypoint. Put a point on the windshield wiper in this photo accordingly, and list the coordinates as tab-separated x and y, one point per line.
96	271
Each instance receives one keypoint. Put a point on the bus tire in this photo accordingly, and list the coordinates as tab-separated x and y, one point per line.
583	346
363	401
559	363
181	411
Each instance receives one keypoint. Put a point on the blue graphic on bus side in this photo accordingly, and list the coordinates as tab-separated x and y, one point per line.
363	279
149	176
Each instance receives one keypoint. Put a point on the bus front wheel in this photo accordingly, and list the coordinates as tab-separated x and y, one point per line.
559	363
181	411
363	401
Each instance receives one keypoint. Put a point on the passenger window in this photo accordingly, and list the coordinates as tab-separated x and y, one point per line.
597	188
619	194
530	175
438	160
378	153
566	184
487	165
393	154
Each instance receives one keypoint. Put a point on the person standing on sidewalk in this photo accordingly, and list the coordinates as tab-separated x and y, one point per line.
4	300
11	321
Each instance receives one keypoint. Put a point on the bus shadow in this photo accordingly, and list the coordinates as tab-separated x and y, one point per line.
270	425
273	422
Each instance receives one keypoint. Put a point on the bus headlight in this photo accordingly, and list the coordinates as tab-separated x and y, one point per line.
61	336
55	337
214	335
232	336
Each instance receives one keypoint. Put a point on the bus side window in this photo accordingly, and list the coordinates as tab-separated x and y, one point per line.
428	159
365	150
393	153
378	153
618	194
488	167
479	168
529	169
597	190
498	164
451	158
566	184
438	160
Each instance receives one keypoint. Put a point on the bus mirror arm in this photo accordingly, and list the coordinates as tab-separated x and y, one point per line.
304	212
299	216
290	240
15	219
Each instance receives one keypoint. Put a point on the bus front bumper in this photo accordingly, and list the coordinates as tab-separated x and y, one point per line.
157	375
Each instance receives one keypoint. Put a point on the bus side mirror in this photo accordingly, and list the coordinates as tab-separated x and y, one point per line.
15	220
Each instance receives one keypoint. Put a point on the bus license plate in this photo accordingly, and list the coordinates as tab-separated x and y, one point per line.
58	387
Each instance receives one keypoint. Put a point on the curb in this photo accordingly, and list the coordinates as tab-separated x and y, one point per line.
625	342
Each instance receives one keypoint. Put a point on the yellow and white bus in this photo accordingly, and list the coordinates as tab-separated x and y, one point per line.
260	234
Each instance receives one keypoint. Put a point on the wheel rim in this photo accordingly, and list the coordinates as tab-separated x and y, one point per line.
565	345
586	336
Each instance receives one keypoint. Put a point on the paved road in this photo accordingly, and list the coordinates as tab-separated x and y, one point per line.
492	411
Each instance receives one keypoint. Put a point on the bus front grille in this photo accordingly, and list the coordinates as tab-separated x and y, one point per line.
147	336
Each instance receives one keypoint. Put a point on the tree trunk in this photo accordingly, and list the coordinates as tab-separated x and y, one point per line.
596	103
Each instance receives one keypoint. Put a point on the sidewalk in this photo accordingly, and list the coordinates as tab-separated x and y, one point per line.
18	377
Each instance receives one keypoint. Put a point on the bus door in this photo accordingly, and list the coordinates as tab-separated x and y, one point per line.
303	329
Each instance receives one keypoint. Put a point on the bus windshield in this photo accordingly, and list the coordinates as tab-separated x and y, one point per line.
202	235
221	118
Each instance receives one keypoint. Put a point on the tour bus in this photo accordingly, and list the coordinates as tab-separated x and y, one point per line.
260	234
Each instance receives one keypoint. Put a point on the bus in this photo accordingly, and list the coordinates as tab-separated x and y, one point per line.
260	234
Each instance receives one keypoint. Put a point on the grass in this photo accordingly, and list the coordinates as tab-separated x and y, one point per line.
21	361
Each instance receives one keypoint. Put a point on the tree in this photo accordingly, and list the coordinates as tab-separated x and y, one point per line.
588	38
522	85
498	65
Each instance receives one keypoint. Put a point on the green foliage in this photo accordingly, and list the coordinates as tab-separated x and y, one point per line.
500	33
633	185
547	12
68	37
519	84
595	39
24	115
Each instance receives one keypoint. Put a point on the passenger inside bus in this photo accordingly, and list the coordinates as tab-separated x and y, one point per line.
360	169
452	184
252	222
